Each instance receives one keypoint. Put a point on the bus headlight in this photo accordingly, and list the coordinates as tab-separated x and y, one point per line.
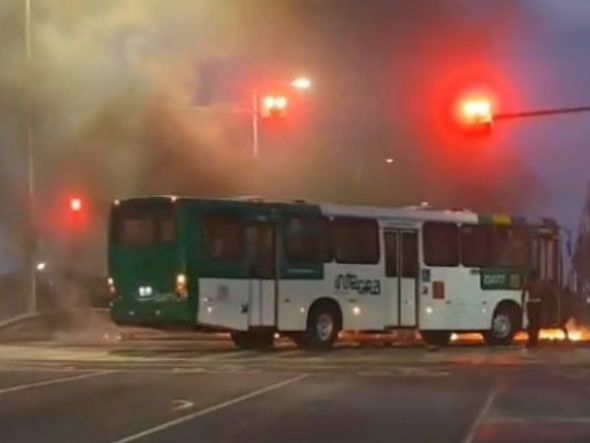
181	286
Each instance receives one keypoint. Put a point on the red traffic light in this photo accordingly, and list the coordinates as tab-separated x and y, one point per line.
475	115
274	106
75	204
477	112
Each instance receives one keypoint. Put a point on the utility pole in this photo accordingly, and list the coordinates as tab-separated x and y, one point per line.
255	123
31	228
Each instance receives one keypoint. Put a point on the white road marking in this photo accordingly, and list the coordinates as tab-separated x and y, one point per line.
480	417
548	420
179	405
52	382
210	409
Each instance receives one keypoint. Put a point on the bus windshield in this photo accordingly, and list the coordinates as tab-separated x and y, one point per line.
143	224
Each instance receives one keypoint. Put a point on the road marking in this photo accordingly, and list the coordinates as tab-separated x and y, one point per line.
210	409
480	417
179	405
547	420
52	382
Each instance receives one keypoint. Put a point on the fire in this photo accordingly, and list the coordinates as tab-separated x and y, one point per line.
575	333
467	338
552	335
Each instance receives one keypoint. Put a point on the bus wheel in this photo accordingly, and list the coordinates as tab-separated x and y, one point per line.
505	324
253	339
323	325
436	338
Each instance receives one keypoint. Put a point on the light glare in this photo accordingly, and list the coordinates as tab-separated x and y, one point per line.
301	83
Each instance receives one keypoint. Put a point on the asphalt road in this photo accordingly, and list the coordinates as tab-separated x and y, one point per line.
352	395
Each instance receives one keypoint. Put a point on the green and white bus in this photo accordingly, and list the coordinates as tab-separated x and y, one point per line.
309	271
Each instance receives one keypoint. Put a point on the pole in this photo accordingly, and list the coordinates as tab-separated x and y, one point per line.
31	235
542	112
255	123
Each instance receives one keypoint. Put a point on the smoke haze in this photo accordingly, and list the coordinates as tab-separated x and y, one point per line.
133	97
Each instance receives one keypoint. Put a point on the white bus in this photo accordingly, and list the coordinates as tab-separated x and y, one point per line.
309	271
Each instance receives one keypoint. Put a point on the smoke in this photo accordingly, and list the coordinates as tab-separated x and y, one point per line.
116	88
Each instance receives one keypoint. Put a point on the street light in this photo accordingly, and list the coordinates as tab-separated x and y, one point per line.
301	83
269	106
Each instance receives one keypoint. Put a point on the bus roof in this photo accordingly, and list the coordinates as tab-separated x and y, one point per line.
413	213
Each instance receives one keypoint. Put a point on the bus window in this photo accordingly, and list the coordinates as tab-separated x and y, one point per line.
136	232
391	254
137	225
260	244
511	247
476	244
308	240
547	257
167	231
223	237
355	240
409	255
441	244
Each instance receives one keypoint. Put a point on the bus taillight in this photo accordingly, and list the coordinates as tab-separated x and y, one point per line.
181	286
438	290
112	287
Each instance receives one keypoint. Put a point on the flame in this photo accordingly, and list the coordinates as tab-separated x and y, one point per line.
551	335
575	333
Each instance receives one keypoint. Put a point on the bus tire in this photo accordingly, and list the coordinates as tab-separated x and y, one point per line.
323	325
253	339
505	325
436	338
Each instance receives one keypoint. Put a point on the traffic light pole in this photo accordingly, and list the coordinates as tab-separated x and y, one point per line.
542	113
255	123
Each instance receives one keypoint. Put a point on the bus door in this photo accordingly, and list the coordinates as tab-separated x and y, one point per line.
548	265
262	268
548	258
401	271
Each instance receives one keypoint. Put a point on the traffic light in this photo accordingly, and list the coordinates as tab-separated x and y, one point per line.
77	213
75	204
476	115
274	106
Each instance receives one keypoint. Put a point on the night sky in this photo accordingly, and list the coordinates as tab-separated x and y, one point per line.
136	97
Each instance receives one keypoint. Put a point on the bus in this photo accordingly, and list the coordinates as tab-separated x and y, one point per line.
309	271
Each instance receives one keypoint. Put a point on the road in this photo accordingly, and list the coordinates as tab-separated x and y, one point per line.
182	392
